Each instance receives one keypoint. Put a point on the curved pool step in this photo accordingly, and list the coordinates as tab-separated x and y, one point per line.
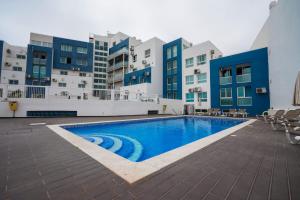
97	140
117	143
138	148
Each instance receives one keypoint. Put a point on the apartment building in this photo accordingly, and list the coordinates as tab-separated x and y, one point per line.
64	64
196	75
144	76
172	68
241	81
118	59
12	64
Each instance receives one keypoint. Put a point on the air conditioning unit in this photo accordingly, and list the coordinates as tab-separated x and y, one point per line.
64	93
132	48
54	80
131	66
191	90
28	75
197	89
144	62
212	52
8	51
133	77
7	64
197	71
83	82
261	90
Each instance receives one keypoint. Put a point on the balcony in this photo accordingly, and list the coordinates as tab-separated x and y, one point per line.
245	101
245	78
226	102
38	61
225	80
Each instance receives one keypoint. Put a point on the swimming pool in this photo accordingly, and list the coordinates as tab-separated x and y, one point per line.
136	148
143	139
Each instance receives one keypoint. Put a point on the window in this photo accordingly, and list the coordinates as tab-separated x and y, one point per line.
174	51
63	60
62	84
147	53
69	60
202	78
169	53
15	68
189	97
226	93
36	71
81	62
82	74
63	72
13	82
189	62
226	97
201	59
243	74
42	72
21	56
244	96
82	50
189	79
65	47
202	97
81	85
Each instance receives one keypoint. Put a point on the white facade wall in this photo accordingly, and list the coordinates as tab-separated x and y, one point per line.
92	107
193	52
72	80
155	61
282	39
12	63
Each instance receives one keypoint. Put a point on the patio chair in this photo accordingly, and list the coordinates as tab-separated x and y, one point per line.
291	116
292	132
217	112
242	113
279	114
232	113
209	112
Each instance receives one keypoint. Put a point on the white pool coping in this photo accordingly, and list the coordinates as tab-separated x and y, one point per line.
134	171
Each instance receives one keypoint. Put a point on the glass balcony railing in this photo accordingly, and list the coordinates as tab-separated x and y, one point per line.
245	101
38	61
245	78
225	80
169	87
226	102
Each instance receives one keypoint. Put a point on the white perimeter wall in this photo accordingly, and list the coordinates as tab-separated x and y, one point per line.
92	107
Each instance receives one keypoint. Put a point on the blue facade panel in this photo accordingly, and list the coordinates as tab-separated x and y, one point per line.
258	62
119	46
175	91
73	55
137	77
1	54
46	52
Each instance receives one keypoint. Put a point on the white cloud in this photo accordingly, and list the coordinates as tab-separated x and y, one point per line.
231	24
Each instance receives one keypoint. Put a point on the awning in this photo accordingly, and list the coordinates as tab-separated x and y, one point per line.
296	99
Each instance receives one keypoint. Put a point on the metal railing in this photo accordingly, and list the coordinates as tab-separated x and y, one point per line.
245	78
14	92
225	80
245	101
226	102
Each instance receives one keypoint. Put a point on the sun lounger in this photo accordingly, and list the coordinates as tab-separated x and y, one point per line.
286	120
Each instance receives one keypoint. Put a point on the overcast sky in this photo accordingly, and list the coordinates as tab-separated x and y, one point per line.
231	25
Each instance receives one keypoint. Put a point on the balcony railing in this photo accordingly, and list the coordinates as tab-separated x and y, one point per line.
225	80
226	102
39	61
245	78
246	101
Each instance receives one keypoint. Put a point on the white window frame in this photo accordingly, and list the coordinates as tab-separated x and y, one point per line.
189	82
189	62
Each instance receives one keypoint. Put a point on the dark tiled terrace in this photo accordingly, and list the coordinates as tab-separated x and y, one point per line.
256	164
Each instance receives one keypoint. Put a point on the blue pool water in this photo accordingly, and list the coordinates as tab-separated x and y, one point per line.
143	139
